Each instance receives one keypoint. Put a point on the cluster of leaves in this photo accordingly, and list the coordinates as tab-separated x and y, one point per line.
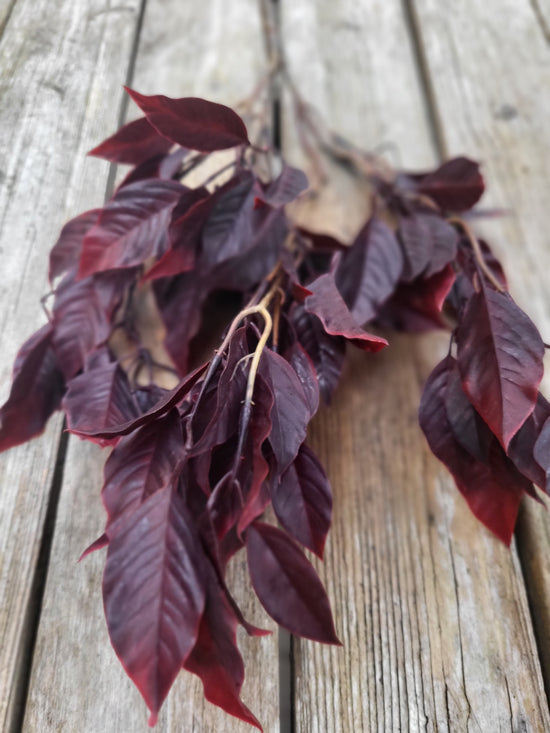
194	468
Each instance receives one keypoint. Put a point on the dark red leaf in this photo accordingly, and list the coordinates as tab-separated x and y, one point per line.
541	452
326	352
36	390
188	219
215	658
180	300
328	305
529	456
168	400
416	306
141	464
99	399
161	166
228	232
133	143
192	122
131	228
287	585
154	592
456	185
429	243
290	413
302	501
494	489
285	188
66	251
302	364
500	360
469	430
370	270
98	544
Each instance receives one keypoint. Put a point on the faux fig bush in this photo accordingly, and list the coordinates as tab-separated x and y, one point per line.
194	468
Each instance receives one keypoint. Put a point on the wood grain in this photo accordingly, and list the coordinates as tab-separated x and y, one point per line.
431	608
509	134
56	56
212	50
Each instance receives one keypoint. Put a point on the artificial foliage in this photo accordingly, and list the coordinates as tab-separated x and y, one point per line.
194	468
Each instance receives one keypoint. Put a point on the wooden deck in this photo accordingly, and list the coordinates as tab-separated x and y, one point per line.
444	629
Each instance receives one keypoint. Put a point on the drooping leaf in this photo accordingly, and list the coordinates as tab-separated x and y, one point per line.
456	185
188	219
66	251
302	501
180	300
141	464
328	305
288	185
192	122
287	585
99	399
529	456
370	269
493	489
215	658
37	388
134	143
326	352
469	430
417	306
303	365
500	360
228	232
161	407
429	243
131	227
154	592
290	413
82	314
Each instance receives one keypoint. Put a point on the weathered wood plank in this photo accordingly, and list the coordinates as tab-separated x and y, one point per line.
502	75
212	50
55	58
431	608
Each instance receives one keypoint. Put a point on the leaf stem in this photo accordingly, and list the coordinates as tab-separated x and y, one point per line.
457	221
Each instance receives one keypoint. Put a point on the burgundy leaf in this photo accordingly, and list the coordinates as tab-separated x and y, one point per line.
180	300
429	243
66	251
246	270
541	452
225	504
98	544
36	390
290	413
500	360
302	364
81	316
285	188
168	400
131	227
99	399
326	352
133	143
215	658
302	501
141	464
161	166
228	231
370	269
469	430
192	122
456	185
416	306
287	585
188	219
529	456
328	305
154	593
494	489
